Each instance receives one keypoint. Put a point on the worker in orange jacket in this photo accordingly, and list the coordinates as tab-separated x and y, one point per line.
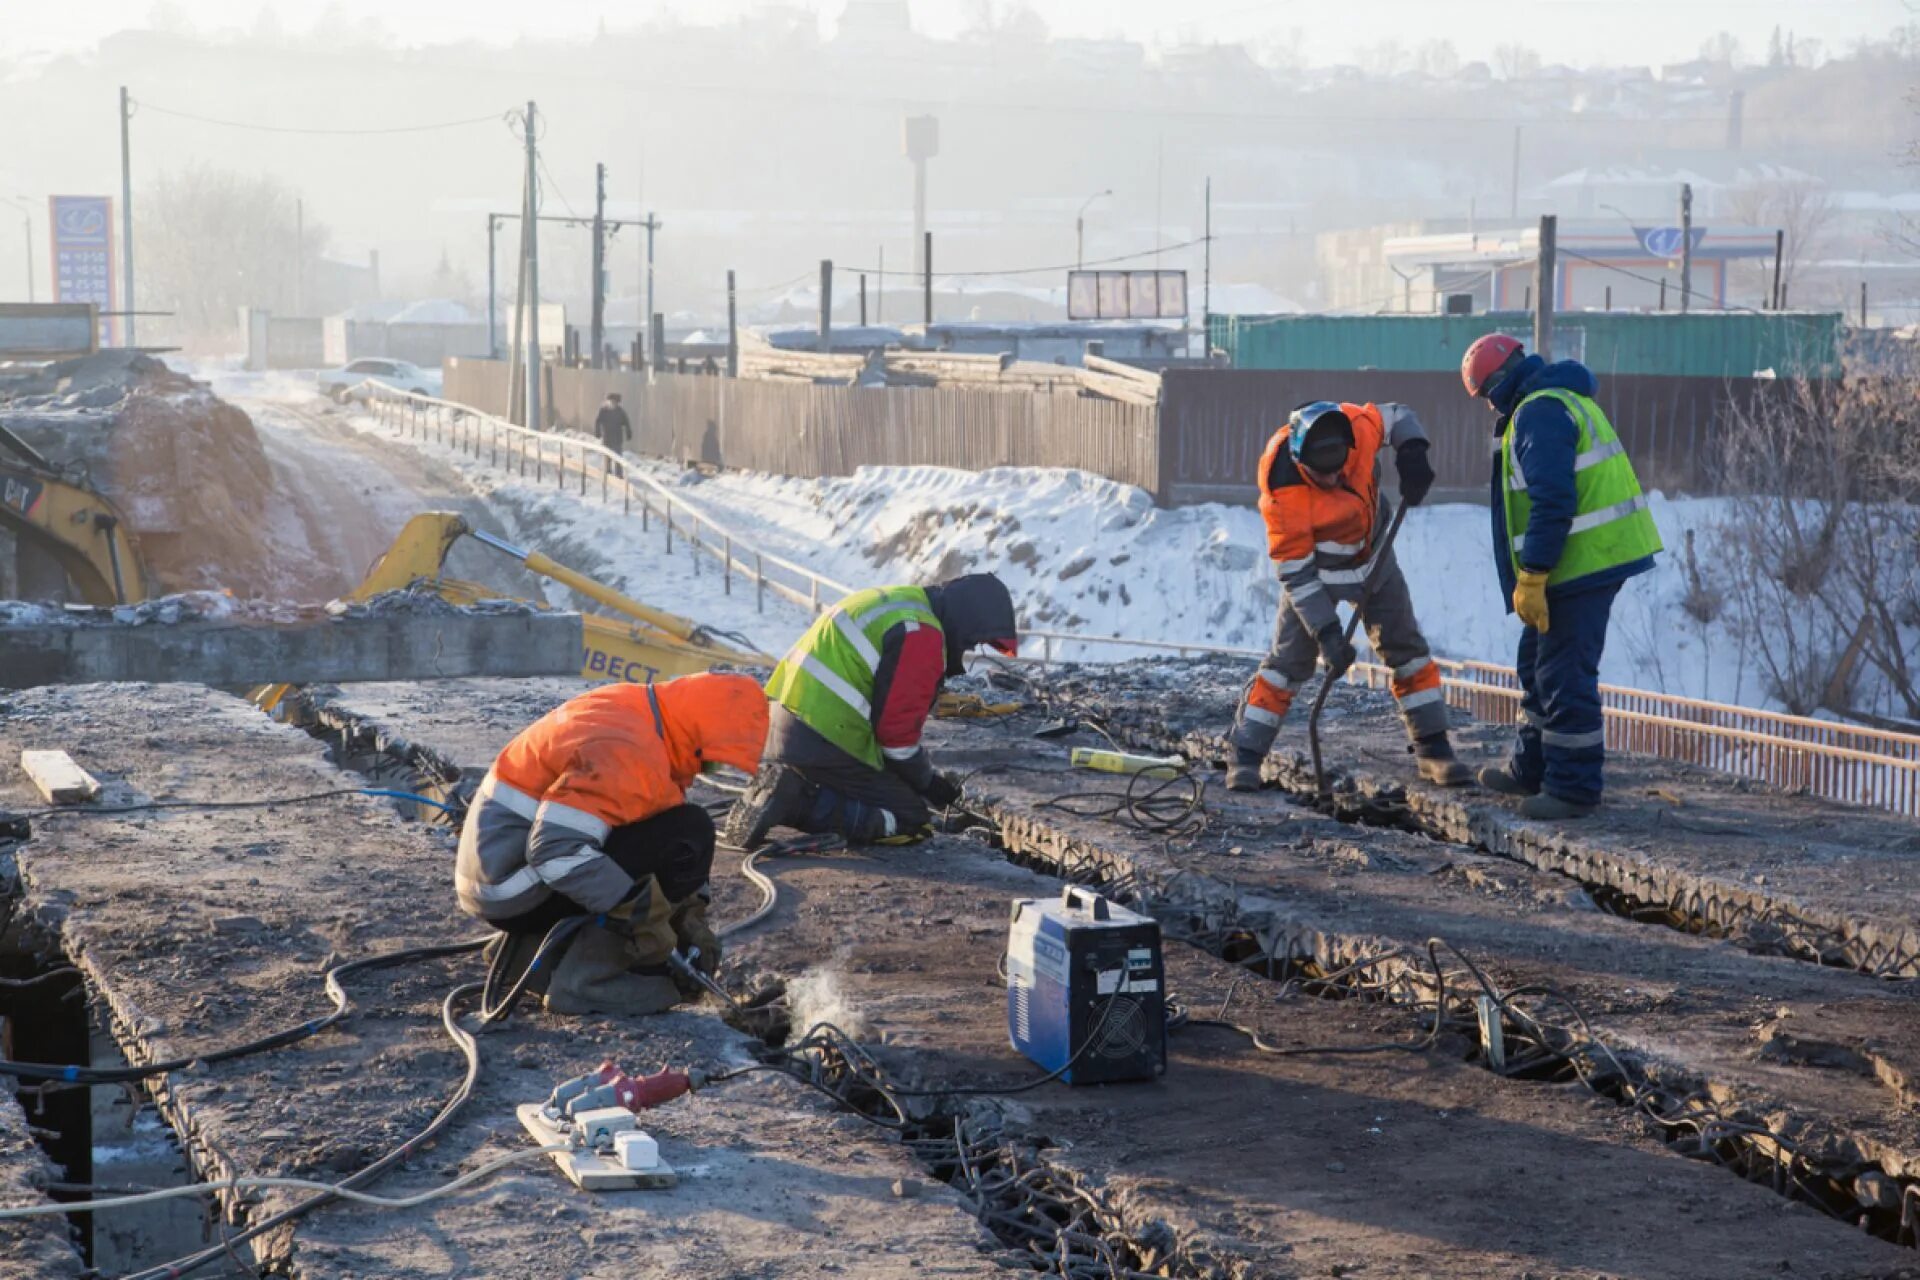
1320	495
585	814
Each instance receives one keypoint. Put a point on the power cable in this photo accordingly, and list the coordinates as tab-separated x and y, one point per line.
336	992
469	1049
1656	280
339	133
1032	271
338	1190
266	802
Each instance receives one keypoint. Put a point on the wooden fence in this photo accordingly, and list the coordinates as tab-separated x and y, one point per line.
1200	443
799	429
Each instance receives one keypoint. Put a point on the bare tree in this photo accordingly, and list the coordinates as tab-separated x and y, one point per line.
1820	551
211	242
1437	58
1799	206
1515	62
1722	48
1383	58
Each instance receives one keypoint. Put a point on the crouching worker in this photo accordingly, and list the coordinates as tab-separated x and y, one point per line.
849	703
1320	496
585	814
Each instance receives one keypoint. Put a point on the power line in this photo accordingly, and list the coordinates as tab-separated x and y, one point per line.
1657	280
555	183
344	133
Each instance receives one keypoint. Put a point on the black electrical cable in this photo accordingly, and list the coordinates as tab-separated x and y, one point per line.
37	1071
1173	805
495	1007
468	1047
89	811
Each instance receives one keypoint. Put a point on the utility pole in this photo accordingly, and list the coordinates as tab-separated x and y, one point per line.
733	331
1513	187
1206	263
1863	304
1686	247
599	321
863	299
880	299
1779	251
126	219
825	340
1543	287
652	224
530	237
299	255
926	253
493	341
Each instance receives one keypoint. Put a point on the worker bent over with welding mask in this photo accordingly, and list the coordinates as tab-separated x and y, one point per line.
1320	495
849	703
585	814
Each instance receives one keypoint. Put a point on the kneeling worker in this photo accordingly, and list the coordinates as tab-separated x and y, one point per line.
585	814
849	703
1320	496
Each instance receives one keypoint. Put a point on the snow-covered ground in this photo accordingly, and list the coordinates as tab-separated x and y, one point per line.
1092	557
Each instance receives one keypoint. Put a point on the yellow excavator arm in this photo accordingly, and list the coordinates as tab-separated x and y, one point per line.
637	642
78	528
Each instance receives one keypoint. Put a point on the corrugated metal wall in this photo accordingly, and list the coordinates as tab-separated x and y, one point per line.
1216	422
1721	344
799	429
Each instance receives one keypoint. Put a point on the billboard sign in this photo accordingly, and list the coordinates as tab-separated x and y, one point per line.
1665	242
1126	295
82	231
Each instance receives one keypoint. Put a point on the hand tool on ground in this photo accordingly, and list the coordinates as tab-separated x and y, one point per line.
683	966
971	706
1353	622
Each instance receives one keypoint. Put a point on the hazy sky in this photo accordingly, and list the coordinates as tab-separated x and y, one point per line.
1577	31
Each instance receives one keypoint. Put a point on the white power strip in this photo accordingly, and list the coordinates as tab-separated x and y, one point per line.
586	1168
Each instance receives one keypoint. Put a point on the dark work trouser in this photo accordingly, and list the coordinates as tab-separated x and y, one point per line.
1561	744
674	847
850	789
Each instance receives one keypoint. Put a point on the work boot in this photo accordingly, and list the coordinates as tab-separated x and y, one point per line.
598	975
777	796
1244	773
1437	764
1502	779
1550	807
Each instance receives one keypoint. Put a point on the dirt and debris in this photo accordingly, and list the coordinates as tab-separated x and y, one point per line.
1393	1165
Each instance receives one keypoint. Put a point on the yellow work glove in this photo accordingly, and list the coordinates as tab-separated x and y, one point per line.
1530	598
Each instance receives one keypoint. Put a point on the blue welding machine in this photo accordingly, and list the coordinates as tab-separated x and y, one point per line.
1086	989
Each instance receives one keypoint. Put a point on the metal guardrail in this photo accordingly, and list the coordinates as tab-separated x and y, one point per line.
1853	764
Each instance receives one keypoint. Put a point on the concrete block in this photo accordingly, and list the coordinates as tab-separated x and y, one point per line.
332	649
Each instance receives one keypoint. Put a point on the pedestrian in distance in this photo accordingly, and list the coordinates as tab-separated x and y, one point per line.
1570	525
1320	494
613	427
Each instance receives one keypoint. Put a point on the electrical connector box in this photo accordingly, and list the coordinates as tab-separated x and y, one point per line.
635	1149
600	1127
1086	988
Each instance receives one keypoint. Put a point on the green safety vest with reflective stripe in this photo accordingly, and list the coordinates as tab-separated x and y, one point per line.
827	678
1611	524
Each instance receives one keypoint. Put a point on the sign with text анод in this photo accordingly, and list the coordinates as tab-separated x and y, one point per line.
1126	295
82	231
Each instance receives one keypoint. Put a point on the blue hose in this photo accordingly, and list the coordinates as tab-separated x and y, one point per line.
408	795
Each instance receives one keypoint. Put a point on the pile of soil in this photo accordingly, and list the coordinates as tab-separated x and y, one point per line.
186	469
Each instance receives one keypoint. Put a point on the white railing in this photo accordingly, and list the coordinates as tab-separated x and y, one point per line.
1850	763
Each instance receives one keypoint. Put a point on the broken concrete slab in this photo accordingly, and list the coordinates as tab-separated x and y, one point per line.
1438	1168
313	645
29	1247
145	904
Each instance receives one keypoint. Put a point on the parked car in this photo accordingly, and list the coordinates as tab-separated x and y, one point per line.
339	383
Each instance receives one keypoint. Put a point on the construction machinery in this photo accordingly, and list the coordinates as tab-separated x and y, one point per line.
79	528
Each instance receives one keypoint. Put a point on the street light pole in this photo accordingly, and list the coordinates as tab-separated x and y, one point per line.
1080	228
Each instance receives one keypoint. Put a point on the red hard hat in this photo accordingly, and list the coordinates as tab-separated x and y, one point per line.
1485	359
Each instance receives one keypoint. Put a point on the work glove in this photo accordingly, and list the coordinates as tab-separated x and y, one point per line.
1415	472
1530	598
1335	650
943	792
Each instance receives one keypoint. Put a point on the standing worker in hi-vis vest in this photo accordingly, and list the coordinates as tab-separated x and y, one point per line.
850	701
1570	524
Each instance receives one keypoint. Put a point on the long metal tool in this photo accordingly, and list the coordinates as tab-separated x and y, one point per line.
1326	685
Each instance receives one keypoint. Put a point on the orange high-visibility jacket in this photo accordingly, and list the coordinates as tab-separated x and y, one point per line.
1322	538
611	756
